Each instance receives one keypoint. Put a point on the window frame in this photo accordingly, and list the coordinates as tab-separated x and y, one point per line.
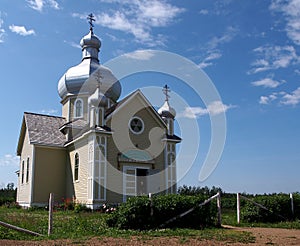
76	116
143	125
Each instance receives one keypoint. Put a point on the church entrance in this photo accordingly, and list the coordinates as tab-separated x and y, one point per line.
134	181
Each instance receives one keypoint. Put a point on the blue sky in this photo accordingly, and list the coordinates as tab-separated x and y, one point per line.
249	49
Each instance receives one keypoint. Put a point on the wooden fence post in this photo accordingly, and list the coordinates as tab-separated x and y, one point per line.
219	209
50	222
151	204
292	203
238	212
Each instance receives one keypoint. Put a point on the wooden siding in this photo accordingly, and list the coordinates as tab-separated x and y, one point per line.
24	189
49	174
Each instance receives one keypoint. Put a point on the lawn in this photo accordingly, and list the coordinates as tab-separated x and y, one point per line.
85	225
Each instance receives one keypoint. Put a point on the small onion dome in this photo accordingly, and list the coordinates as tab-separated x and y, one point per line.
90	40
167	111
97	99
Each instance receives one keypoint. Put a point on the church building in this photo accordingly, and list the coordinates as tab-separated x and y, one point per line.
102	149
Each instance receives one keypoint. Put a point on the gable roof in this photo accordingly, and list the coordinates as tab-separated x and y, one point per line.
42	129
118	106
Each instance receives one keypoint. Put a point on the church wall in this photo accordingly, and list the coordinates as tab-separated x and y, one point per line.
140	140
49	174
24	189
65	110
80	186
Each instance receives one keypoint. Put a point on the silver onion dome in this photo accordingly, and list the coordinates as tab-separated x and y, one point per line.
89	74
167	111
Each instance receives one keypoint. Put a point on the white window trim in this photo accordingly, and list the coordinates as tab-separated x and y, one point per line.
77	117
143	125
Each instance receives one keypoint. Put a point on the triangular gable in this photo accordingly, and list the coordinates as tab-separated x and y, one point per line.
42	130
21	137
146	104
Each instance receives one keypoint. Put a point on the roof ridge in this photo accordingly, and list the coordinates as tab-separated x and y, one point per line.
53	116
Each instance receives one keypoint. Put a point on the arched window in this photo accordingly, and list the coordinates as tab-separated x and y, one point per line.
76	167
27	170
78	110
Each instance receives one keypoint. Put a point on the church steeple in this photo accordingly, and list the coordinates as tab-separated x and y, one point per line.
90	43
167	112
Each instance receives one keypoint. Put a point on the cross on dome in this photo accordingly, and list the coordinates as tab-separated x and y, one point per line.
91	19
166	90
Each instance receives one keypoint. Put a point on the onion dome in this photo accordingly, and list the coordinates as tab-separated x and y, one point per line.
97	99
89	74
166	110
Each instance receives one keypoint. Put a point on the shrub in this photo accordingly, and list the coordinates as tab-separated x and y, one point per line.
136	212
278	205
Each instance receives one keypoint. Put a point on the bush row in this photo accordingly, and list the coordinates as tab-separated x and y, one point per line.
278	205
141	213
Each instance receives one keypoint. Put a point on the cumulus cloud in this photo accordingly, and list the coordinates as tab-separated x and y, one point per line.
282	98
9	160
273	57
21	30
40	4
292	98
138	18
208	60
267	99
48	111
290	10
214	108
267	83
2	31
140	55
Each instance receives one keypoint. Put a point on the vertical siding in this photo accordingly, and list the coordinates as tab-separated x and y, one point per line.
49	174
24	190
80	186
65	110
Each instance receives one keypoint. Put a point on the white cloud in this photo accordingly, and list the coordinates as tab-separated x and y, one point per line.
290	10
40	4
274	57
140	55
21	30
2	31
268	99
73	44
48	111
138	18
267	83
291	99
214	108
203	12
229	34
212	55
9	160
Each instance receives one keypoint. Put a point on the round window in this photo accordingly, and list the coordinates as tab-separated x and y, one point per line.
136	125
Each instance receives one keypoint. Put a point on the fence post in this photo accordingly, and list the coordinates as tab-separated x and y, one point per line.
151	204
292	204
238	207
50	222
219	209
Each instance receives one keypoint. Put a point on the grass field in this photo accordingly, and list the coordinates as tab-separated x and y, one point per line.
86	225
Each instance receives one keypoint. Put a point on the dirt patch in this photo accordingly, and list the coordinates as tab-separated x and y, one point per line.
263	236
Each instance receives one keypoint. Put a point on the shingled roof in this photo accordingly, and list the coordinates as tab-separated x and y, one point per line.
42	129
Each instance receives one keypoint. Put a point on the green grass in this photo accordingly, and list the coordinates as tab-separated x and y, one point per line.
85	225
229	217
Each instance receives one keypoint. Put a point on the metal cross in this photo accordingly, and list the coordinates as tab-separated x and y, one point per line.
166	90
91	19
